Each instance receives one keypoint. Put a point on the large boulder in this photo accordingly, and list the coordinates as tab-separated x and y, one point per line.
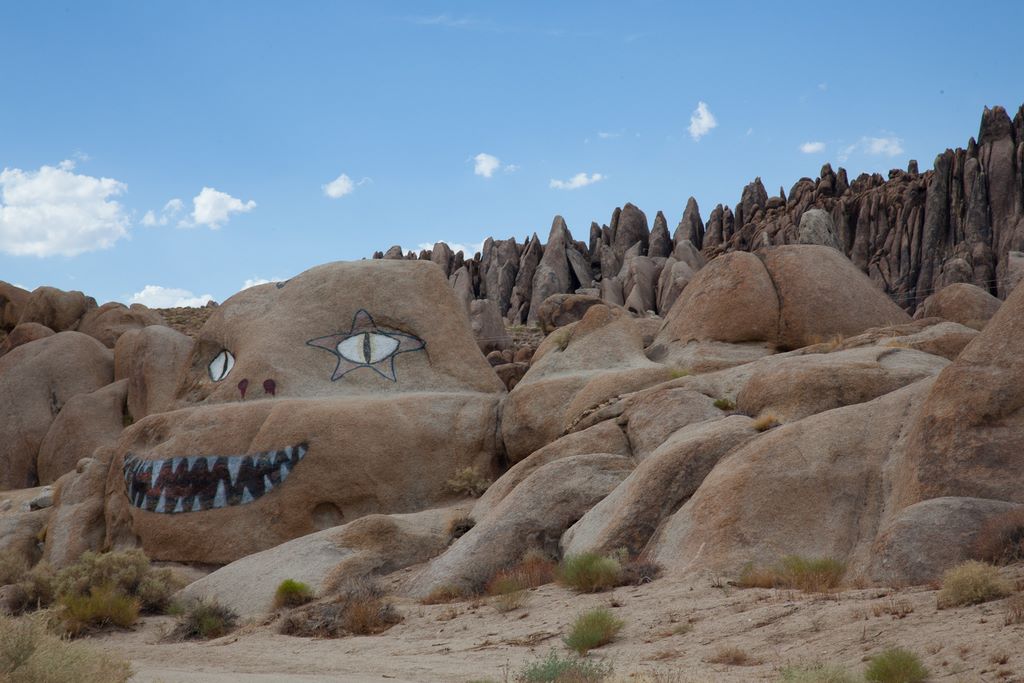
352	389
36	381
55	308
962	303
150	359
488	326
108	322
23	334
534	515
12	299
816	227
87	422
76	522
559	310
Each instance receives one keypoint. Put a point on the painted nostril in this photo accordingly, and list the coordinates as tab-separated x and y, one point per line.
270	387
242	386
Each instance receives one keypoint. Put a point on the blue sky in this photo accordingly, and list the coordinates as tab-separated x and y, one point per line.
453	121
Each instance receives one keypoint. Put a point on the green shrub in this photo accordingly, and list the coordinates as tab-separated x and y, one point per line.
815	673
590	572
724	404
811	575
104	606
592	629
128	572
557	669
30	654
292	593
204	619
896	665
970	583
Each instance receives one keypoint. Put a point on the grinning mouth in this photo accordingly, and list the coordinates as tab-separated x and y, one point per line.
207	482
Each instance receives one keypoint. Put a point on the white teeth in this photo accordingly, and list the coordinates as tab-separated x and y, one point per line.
211	460
267	484
179	507
145	501
283	472
137	502
288	452
234	465
174	464
221	499
302	452
196	505
157	466
161	504
246	496
192	460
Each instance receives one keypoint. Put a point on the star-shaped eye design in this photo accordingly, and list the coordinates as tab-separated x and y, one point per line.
367	346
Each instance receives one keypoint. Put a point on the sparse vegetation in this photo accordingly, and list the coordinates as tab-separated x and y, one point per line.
724	404
203	620
895	665
12	569
292	593
811	575
360	609
815	673
971	583
459	525
30	654
590	572
443	595
557	669
127	572
104	606
1014	610
592	629
765	422
1001	538
467	482
733	656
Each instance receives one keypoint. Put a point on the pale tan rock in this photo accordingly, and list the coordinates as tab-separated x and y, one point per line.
23	334
962	303
55	308
77	524
87	422
108	322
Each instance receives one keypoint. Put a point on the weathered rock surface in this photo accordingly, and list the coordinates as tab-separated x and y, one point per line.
23	334
108	322
961	303
55	308
76	523
150	359
87	422
558	310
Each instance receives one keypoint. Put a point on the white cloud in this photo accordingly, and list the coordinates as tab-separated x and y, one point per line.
485	164
701	121
255	281
812	147
608	136
339	187
889	146
467	249
213	208
56	211
577	181
171	209
156	296
823	87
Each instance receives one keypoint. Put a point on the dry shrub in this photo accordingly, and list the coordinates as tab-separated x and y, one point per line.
508	585
733	656
639	571
360	609
12	569
592	629
103	607
30	654
557	669
203	620
467	482
754	576
127	572
765	422
1001	538
291	593
896	607
896	665
811	575
459	526
590	572
815	673
1014	611
971	583
442	595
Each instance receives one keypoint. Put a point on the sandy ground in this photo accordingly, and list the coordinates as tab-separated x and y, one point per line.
673	628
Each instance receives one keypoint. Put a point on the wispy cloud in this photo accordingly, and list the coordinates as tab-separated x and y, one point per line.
170	211
447	21
812	147
701	121
486	165
889	146
343	185
607	135
576	182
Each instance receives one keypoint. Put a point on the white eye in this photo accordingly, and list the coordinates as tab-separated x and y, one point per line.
221	365
367	347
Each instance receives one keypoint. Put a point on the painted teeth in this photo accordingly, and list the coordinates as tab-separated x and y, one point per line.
187	486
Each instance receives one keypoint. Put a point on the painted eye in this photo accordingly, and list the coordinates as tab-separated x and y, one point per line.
221	365
367	347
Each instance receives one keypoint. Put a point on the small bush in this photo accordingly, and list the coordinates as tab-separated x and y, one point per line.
30	654
459	526
442	595
535	569
12	569
724	404
765	422
127	572
733	656
971	583
292	593
467	482
358	610
1001	538
811	575
104	606
896	665
638	572
815	673
1014	610
590	572
203	620
557	669
592	629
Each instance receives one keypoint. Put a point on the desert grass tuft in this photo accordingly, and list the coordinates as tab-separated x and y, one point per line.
29	653
467	481
291	593
442	595
895	665
1001	538
1014	611
103	607
591	630
557	669
359	609
204	620
765	422
459	526
732	656
811	575
815	673
971	583
127	572
725	404
590	572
